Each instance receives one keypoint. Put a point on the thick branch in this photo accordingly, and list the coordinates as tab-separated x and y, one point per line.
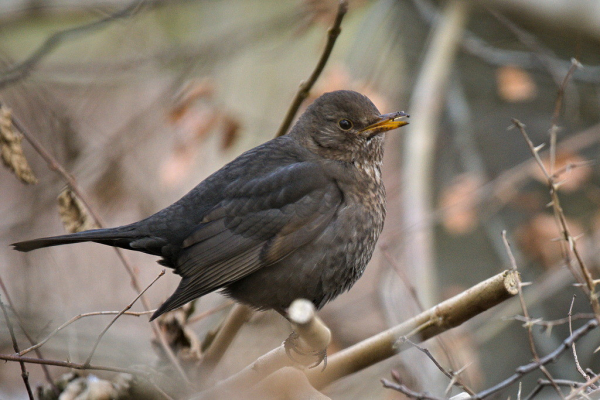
428	324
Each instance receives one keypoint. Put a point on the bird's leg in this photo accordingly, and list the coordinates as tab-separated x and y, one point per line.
308	333
292	343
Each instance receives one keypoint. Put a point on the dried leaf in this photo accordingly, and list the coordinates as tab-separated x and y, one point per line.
515	84
181	338
11	150
72	212
231	129
188	95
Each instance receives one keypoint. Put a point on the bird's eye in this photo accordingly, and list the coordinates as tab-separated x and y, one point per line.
345	124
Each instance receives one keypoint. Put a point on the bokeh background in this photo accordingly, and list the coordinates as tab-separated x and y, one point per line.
144	107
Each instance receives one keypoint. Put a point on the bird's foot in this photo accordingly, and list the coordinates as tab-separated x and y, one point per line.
292	343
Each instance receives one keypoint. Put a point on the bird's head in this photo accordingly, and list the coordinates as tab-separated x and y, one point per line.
345	126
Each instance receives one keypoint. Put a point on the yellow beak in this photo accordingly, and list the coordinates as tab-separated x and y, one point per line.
385	123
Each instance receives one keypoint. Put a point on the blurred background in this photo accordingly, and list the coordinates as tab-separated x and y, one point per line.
143	107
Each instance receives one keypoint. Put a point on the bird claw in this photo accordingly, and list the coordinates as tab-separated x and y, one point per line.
291	344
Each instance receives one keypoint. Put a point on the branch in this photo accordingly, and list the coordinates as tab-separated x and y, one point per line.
305	86
127	308
552	357
29	338
23	69
567	237
24	373
529	326
36	346
313	335
66	364
428	324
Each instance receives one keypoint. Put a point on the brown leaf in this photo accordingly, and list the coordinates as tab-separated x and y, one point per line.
72	212
188	95
515	84
11	150
458	203
231	130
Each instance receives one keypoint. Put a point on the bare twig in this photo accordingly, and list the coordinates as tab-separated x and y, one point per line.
567	237
305	86
29	338
36	346
552	357
450	375
408	392
560	382
123	311
54	165
529	326
561	91
544	55
66	364
577	365
207	313
575	394
553	323
24	373
23	69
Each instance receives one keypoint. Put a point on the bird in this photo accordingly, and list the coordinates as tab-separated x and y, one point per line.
295	217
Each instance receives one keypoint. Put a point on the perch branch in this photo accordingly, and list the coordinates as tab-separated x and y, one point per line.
428	324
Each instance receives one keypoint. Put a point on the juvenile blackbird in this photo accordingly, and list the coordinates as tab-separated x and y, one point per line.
296	217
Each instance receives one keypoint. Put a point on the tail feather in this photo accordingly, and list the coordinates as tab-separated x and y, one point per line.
109	236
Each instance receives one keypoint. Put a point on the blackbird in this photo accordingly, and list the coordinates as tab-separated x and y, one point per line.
296	217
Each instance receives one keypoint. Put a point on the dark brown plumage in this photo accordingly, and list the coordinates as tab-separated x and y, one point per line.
296	217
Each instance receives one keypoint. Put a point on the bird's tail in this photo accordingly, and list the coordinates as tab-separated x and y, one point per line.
111	236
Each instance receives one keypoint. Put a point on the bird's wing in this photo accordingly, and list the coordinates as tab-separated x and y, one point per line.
261	221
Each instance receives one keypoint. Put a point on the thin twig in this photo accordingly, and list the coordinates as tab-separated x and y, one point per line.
207	313
579	369
408	392
66	364
54	165
552	357
24	68
36	346
529	326
561	90
450	375
24	373
567	237
554	322
123	311
575	394
305	86
29	338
